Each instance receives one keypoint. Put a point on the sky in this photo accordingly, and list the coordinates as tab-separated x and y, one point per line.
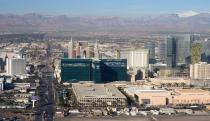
102	7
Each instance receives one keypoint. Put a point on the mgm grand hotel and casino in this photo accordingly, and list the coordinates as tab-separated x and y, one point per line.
96	70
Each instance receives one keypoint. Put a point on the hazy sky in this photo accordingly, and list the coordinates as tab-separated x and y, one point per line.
102	7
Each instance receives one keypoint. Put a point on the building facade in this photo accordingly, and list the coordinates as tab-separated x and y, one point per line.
1	84
154	97
183	49
190	96
16	66
151	47
136	58
75	70
98	95
200	70
70	49
108	70
205	56
171	52
148	96
96	70
178	50
89	52
162	51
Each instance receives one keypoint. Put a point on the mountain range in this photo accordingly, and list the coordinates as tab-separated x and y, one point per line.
184	22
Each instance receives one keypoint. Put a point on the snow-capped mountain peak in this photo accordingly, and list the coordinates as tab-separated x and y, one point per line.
187	14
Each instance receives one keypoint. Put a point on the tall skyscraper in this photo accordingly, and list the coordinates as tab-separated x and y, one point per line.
183	48
151	47
16	66
96	70
205	56
70	49
89	52
1	84
178	50
136	58
162	51
78	50
96	50
195	37
171	52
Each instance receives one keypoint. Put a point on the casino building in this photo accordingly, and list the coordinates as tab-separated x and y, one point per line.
96	70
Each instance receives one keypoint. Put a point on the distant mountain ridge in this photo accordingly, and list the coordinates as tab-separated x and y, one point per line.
187	22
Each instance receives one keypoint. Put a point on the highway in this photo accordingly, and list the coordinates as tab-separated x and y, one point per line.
45	110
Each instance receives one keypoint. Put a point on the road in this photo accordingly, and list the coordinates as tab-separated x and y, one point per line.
45	110
138	118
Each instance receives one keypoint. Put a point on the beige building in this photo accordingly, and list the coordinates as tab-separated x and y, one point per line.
170	82
98	95
200	71
190	96
89	52
152	97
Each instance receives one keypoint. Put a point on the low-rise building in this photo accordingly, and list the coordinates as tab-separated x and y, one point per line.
159	97
170	82
98	95
208	107
23	95
22	87
190	96
152	97
22	100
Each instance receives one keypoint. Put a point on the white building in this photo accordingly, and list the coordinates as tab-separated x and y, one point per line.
16	66
22	87
136	58
1	84
96	50
200	71
70	49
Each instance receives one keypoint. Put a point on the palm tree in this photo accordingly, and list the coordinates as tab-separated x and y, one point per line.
168	84
163	85
183	84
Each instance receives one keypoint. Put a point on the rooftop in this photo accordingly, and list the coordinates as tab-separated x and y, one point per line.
135	50
135	90
168	79
97	91
190	90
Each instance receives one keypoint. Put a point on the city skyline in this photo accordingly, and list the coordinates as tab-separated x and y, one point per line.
102	7
107	60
